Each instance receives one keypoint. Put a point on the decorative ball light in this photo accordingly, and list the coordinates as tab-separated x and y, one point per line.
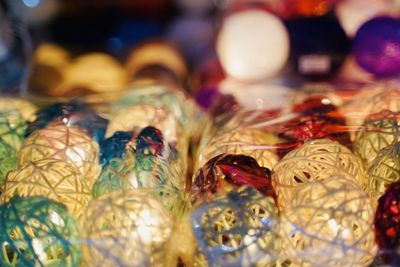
54	179
238	229
25	107
38	232
379	131
128	228
252	45
386	222
322	57
249	142
372	100
384	170
315	160
329	223
376	46
175	101
58	141
139	116
8	161
12	129
96	71
73	114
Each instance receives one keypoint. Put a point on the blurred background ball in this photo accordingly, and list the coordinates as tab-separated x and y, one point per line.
252	45
318	45
157	55
376	46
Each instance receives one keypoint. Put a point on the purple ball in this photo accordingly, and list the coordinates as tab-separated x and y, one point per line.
376	46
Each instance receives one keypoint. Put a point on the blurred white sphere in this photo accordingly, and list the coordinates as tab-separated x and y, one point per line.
252	45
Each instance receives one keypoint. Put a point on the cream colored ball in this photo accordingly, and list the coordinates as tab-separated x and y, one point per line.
57	141
128	228
315	160
252	45
329	223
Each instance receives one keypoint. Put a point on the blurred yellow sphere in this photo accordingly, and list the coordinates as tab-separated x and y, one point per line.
96	71
57	141
55	179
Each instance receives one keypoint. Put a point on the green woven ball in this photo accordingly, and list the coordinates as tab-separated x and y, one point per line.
36	231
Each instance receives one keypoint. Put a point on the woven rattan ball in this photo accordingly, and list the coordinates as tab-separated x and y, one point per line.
384	170
139	116
128	228
12	129
378	132
329	223
252	143
36	231
238	229
57	141
315	160
370	101
26	108
54	179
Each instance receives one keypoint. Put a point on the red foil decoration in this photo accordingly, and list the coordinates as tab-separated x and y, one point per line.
387	221
227	170
317	119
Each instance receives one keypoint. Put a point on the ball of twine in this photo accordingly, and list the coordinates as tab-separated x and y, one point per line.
12	129
239	228
329	223
384	170
315	160
378	132
26	108
54	179
142	115
370	101
252	143
183	108
127	228
57	141
38	232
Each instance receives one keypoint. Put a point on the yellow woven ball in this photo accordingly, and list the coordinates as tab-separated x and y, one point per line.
241	141
25	107
139	116
329	223
384	170
51	178
315	160
370	101
128	228
57	141
378	132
